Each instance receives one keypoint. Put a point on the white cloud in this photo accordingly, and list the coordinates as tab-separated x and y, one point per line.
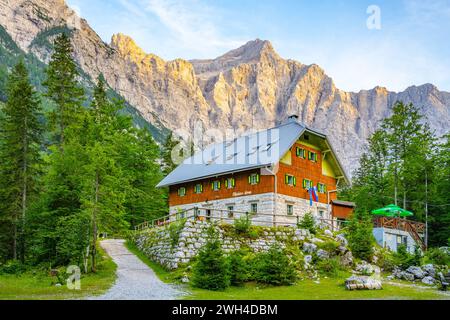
193	25
427	13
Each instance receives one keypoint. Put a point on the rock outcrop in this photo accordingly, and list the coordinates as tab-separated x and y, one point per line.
250	87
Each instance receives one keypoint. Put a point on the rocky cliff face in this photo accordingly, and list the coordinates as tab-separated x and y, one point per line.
250	87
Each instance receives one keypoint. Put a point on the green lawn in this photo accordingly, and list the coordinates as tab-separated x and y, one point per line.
40	286
328	289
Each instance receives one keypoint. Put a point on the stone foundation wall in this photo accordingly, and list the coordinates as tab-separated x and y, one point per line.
178	243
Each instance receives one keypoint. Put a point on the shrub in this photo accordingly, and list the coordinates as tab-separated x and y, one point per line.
307	222
242	225
238	268
274	267
12	267
331	267
175	229
329	246
404	259
437	256
386	260
360	237
211	271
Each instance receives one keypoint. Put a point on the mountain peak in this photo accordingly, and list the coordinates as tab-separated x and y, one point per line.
126	46
252	51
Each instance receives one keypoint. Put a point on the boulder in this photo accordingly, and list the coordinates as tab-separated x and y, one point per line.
407	276
429	270
365	268
428	280
309	247
308	259
322	254
417	272
185	279
328	233
342	239
363	283
347	259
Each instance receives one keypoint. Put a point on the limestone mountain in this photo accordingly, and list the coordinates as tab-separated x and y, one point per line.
249	87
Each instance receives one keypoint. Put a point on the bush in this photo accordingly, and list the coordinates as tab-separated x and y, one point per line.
437	256
274	267
211	270
386	260
307	222
175	229
238	268
242	225
404	260
329	246
331	267
360	236
13	267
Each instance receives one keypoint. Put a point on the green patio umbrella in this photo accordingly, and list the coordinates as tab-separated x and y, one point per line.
392	211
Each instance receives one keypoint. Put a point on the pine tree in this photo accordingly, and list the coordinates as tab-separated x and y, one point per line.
167	149
63	88
20	140
359	235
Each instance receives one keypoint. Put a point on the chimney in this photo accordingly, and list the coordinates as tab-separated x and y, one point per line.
292	118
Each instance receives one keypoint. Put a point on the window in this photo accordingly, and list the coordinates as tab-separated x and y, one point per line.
307	184
290	209
301	153
182	191
312	156
321	188
253	179
254	208
321	214
198	188
230	211
230	183
290	180
215	185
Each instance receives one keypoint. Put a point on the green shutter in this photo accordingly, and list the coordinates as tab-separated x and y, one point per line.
286	179
257	178
226	183
295	181
233	182
250	179
218	184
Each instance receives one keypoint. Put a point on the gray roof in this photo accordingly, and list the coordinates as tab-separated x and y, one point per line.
344	203
261	149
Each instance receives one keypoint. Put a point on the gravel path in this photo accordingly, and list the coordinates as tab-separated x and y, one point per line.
135	280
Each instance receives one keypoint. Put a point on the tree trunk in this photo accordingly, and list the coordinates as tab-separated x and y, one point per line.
94	224
24	192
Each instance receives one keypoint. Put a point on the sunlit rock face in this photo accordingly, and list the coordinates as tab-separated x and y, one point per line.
249	87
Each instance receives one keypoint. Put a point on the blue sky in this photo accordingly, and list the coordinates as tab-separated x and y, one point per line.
411	48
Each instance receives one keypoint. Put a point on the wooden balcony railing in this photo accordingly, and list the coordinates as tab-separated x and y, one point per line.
415	229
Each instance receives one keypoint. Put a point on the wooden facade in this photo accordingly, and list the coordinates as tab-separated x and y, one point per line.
297	166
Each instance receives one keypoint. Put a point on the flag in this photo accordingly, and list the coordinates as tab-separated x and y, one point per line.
315	194
310	197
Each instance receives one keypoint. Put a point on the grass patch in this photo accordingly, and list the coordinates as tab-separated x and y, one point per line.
328	289
30	286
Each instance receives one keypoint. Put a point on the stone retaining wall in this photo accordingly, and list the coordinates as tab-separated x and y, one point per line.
179	242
